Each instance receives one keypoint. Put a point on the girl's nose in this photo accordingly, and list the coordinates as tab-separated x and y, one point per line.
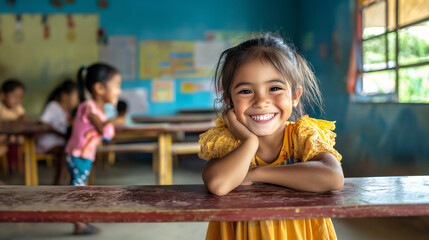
261	101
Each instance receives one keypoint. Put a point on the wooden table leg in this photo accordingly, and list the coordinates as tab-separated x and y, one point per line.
155	162
165	169
169	163
35	178
111	157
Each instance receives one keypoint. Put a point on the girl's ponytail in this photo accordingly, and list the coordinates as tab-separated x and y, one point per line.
81	84
98	72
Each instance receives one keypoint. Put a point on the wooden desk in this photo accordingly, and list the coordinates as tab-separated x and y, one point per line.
181	118
360	197
29	129
164	138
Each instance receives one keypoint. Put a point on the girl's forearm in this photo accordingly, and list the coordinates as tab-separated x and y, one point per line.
323	174
223	175
98	124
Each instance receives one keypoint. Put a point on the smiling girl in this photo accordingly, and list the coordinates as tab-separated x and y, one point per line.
265	85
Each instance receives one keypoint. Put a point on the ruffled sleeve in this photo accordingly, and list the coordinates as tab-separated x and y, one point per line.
217	142
313	136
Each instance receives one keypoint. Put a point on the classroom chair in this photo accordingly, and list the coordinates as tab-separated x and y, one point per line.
47	157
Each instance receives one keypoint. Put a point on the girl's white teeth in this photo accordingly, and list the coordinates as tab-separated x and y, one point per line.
264	117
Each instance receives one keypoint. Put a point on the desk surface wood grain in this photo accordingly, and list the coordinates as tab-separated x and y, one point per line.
360	197
24	127
165	127
180	118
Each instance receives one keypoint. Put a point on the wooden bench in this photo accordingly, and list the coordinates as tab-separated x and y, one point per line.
176	148
129	148
182	118
166	148
151	147
360	197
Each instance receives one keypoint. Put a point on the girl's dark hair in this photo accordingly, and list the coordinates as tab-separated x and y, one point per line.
121	106
67	86
10	85
98	72
273	50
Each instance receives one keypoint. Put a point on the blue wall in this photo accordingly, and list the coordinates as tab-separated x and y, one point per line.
176	20
375	139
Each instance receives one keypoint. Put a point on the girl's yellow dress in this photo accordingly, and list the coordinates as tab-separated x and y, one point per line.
302	140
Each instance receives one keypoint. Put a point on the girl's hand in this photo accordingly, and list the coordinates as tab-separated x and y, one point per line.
248	179
237	128
117	121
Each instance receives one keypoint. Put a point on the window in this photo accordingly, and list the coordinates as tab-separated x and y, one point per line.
393	51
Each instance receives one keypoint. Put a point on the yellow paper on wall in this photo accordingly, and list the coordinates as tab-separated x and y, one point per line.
42	63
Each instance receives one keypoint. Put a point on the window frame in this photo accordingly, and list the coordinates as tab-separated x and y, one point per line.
383	97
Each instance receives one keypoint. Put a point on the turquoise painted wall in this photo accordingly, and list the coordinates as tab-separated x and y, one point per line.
176	20
375	139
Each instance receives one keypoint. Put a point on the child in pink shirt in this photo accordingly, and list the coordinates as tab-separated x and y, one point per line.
85	136
91	125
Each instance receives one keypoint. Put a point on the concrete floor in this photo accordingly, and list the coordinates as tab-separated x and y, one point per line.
136	170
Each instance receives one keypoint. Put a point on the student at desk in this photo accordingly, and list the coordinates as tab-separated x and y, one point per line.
264	136
60	102
12	92
121	117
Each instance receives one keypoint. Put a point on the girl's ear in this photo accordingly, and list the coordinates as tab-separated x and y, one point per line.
2	96
98	88
297	96
229	103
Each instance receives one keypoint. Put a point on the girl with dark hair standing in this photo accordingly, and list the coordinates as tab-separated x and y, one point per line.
90	125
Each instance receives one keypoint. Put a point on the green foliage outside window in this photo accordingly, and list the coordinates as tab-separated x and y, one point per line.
413	84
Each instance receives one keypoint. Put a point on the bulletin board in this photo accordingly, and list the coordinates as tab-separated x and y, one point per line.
120	51
41	62
179	59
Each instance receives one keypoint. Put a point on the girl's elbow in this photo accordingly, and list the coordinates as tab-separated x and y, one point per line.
218	191
332	182
215	186
335	177
337	182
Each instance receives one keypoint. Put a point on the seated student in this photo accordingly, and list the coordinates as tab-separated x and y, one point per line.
11	109
56	113
121	109
11	95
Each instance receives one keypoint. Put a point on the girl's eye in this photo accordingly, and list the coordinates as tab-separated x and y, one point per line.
275	89
245	92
